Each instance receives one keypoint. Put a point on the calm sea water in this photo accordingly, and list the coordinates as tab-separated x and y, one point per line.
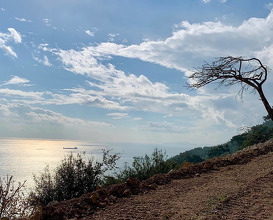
22	158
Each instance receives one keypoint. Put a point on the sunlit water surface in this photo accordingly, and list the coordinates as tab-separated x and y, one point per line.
22	158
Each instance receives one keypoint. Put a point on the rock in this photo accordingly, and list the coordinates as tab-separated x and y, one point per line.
127	192
112	199
134	185
159	179
117	189
132	182
98	187
102	204
95	198
153	186
107	201
90	211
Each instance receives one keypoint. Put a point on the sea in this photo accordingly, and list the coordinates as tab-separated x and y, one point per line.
23	158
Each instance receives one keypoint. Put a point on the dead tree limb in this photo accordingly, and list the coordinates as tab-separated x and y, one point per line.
228	71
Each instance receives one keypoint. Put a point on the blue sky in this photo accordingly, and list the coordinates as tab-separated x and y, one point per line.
116	71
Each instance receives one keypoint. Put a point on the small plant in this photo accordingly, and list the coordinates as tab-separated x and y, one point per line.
14	201
222	198
214	201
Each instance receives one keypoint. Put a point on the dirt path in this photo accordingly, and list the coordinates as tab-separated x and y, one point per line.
232	192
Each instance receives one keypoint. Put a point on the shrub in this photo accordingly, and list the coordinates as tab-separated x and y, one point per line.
257	134
72	178
218	151
14	202
147	166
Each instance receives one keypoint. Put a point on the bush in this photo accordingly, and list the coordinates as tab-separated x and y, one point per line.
147	166
13	200
218	151
257	134
74	177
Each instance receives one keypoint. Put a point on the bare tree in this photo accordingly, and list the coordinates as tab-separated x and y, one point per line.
228	71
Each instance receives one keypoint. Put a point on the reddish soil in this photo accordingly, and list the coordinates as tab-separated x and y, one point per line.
242	191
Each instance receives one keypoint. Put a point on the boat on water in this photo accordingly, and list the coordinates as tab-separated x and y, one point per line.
70	148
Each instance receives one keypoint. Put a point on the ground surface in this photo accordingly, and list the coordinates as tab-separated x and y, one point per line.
231	192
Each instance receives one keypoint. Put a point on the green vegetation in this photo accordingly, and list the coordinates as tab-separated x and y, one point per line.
258	134
76	175
72	178
145	167
189	156
254	135
214	201
218	151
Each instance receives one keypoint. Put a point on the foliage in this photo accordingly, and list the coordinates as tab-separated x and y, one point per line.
187	156
256	134
145	167
218	151
13	202
72	178
44	191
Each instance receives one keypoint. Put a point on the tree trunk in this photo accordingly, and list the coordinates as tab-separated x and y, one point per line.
265	102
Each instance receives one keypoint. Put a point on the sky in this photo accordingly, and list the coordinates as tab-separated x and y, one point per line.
116	71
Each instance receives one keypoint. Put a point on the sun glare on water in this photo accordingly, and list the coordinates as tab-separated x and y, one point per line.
22	158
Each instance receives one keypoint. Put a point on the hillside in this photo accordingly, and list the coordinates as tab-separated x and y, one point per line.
253	135
238	186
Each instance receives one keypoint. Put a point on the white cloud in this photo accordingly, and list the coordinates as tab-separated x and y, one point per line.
6	48
90	33
13	35
16	80
163	127
16	36
21	94
44	61
193	43
47	22
28	121
118	115
84	97
22	19
189	46
112	37
40	115
121	90
5	112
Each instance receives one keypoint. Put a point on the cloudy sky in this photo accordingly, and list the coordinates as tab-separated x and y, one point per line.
116	71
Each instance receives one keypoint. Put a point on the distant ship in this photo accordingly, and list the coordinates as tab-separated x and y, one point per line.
70	148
